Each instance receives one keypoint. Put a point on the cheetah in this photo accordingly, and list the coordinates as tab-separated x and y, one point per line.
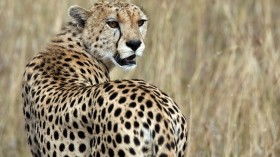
72	108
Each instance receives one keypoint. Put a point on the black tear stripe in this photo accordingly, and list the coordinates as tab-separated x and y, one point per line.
117	43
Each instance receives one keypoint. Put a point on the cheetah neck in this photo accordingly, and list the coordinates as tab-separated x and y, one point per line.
70	39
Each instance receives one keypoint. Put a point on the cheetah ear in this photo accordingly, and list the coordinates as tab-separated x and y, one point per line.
79	14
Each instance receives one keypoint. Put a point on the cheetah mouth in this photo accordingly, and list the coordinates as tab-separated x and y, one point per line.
131	60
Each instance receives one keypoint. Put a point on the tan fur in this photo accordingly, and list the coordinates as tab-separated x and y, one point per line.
72	108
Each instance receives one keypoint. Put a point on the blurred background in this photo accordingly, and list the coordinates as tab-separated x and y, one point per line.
218	59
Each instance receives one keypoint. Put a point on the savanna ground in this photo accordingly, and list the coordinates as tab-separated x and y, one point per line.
219	59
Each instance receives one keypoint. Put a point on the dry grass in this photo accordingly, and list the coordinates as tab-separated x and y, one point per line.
219	59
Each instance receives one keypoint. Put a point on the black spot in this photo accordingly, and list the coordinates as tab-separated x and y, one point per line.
54	154
72	70
97	154
140	99
70	46
80	63
156	149
168	146
48	101
127	125
103	113
158	117
27	115
83	71
96	79
56	135
72	103
160	140
108	88
126	139
140	114
81	134
150	114
103	149
134	90
121	86
142	107
172	145
132	97
171	110
166	123
119	138
165	100
48	145
111	152
145	149
48	131
65	133
28	77
89	129
121	153
122	100
149	103
132	105
82	147
80	100
116	128
71	147
125	91
50	118
75	125
75	113
67	117
162	155
157	128
136	141
113	96
61	147
72	136
131	151
128	114
100	100
84	119
117	112
136	124
84	107
75	56
109	139
146	125
31	64
109	126
94	114
97	129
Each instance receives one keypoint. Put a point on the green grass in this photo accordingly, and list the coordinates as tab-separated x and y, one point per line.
219	60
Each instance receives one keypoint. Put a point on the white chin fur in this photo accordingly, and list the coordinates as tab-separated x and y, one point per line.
125	67
128	67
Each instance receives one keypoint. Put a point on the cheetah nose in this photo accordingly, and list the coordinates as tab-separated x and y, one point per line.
133	44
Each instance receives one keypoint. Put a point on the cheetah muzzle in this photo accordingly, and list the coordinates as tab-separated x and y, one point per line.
129	61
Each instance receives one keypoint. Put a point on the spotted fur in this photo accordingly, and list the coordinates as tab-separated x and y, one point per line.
72	108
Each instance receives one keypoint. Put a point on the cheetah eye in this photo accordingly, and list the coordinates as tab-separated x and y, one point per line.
141	22
113	24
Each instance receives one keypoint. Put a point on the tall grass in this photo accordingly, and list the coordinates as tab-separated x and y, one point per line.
219	59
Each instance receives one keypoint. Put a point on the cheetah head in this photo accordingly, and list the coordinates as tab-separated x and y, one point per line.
112	32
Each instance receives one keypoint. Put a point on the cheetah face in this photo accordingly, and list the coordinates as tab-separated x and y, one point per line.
112	32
